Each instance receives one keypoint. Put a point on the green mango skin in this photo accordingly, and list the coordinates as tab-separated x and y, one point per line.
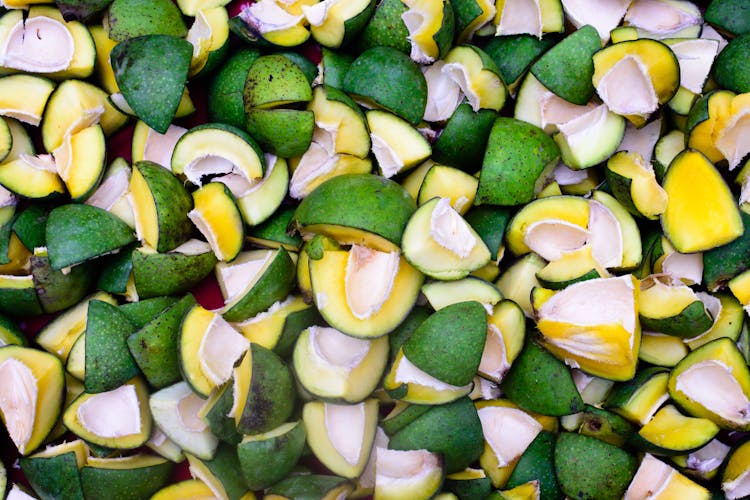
154	346
397	337
693	320
11	333
308	486
56	290
225	91
19	302
723	263
276	283
283	132
81	10
224	467
266	462
116	269
293	326
448	345
132	18
469	489
462	142
272	393
566	68
537	463
539	382
335	65
305	65
732	66
151	72
390	79
489	222
622	392
590	469
109	363
517	153
173	203
729	16
222	426
76	233
452	429
5	231
142	312
606	426
392	424
125	484
162	274
273	80
362	201
53	477
385	28
29	226
514	54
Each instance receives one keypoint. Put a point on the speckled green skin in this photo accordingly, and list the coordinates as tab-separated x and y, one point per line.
275	79
154	347
362	201
517	153
335	65
19	301
77	233
132	18
173	203
391	425
221	425
732	66
272	394
588	468
306	486
281	131
276	283
29	226
606	425
115	270
81	10
692	321
514	54
453	359
57	290
225	91
539	382
125	484
452	429
385	28
53	477
224	467
140	313
151	71
489	222
274	228
265	462
109	363
5	231
536	463
729	16
390	79
169	273
463	140
566	69
397	337
727	261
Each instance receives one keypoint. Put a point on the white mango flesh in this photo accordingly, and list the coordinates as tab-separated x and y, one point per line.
345	425
111	414
450	230
508	431
627	88
220	348
38	45
18	394
552	238
369	279
520	17
710	383
334	348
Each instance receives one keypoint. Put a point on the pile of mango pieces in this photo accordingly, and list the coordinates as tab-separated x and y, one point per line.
466	249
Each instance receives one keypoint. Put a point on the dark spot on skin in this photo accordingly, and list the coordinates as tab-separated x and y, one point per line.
144	345
270	78
595	425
